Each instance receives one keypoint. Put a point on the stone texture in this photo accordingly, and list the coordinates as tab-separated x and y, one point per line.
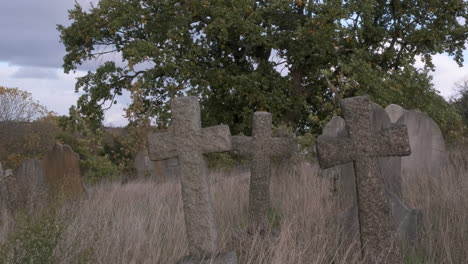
31	183
429	153
343	175
363	145
260	148
7	190
188	141
159	170
406	220
395	112
62	171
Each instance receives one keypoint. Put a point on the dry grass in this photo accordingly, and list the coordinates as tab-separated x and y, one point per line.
143	222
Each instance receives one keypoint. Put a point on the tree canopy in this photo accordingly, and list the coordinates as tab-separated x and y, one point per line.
291	58
19	106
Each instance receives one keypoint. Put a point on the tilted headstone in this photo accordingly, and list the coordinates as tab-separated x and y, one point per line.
188	141
159	170
429	153
378	234
7	190
31	183
260	147
62	172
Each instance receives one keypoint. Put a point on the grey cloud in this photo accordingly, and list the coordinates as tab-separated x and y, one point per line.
28	31
35	73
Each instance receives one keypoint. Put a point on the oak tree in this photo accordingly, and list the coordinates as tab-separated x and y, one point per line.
289	57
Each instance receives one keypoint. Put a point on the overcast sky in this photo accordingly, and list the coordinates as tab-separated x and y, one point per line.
31	56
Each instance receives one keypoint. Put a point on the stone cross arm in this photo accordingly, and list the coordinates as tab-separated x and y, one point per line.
169	144
392	141
272	147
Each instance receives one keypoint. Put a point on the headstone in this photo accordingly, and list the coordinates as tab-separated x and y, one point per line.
188	141
395	112
378	234
7	190
159	170
429	153
62	172
31	183
260	148
343	175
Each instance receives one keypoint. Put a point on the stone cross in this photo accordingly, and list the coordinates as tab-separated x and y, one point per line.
188	141
260	148
378	237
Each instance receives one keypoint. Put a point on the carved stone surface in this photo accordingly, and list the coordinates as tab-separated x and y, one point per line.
31	183
159	170
343	175
363	146
188	142
406	220
8	190
260	148
429	153
62	171
395	112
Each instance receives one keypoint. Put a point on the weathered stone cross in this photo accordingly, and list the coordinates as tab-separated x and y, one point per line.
188	142
260	148
378	237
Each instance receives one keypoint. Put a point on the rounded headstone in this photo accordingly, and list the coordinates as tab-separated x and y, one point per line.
31	183
428	150
395	111
342	176
62	172
389	166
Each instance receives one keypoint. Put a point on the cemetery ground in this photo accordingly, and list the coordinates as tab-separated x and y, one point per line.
142	222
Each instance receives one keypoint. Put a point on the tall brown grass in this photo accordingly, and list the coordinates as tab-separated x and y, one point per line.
142	222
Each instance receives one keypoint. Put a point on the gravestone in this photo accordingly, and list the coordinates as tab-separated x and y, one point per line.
188	141
378	235
429	153
31	184
7	189
395	112
343	175
61	168
159	171
260	147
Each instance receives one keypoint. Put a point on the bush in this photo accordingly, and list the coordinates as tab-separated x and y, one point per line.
34	239
97	168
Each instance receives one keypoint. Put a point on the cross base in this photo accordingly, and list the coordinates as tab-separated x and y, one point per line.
221	258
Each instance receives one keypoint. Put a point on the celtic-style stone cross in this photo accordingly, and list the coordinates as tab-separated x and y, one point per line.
188	141
378	237
260	148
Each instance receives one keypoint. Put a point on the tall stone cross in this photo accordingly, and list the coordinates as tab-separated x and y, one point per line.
260	148
188	141
378	237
